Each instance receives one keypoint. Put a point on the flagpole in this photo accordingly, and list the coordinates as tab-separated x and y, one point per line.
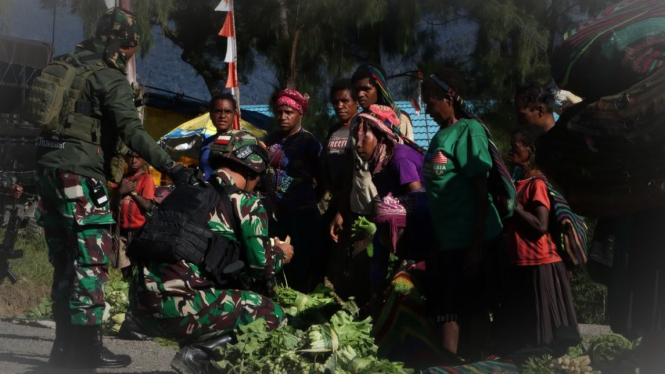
236	90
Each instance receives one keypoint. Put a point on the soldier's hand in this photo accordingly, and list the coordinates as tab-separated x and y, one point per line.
182	176
287	249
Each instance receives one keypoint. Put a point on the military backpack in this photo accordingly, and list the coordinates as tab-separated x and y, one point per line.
53	102
178	230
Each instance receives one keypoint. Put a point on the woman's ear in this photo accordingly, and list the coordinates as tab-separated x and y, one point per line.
541	110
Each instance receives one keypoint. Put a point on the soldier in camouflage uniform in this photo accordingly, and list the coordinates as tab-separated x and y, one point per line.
74	208
175	300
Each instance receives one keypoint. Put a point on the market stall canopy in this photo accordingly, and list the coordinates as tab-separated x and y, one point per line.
185	140
24	52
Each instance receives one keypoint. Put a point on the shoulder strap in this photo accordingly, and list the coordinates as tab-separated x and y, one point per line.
224	194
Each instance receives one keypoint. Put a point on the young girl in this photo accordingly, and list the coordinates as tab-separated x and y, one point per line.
539	303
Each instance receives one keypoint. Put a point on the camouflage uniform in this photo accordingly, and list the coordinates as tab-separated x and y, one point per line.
176	301
78	230
78	237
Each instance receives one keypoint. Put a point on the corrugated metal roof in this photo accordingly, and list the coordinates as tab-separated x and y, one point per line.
263	109
424	127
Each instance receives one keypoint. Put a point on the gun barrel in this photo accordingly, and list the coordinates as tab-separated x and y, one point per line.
12	277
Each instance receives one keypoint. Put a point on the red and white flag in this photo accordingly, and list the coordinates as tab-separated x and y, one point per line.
229	32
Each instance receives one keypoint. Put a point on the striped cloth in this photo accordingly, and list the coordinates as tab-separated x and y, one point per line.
499	181
612	52
490	366
402	330
568	230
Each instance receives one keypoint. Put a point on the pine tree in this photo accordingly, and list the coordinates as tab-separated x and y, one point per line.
515	38
6	10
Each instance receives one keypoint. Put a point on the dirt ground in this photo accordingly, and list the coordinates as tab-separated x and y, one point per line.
16	299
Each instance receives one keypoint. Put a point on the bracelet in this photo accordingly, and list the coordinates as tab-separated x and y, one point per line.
134	193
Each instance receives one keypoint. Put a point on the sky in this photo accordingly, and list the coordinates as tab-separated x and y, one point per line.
163	67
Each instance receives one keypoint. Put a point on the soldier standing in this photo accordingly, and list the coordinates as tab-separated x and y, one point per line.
74	209
180	301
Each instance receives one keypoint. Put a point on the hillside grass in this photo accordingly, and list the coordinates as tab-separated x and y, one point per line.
35	275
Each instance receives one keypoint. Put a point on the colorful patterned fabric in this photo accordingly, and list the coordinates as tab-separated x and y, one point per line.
387	115
387	140
605	156
294	167
78	235
391	212
571	233
291	98
402	330
177	301
382	84
612	52
490	366
568	230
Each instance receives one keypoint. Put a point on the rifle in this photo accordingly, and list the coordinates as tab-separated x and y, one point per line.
7	251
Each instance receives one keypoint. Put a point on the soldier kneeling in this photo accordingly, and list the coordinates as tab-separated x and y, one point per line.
192	294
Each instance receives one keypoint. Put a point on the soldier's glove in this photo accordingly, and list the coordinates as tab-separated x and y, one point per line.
182	176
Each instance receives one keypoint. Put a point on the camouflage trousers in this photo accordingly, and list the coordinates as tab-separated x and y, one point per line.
78	235
228	311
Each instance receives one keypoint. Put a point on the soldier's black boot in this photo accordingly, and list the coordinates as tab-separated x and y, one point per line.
194	358
89	352
61	345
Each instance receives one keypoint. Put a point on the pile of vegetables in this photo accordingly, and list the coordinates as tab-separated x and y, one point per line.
323	336
117	304
341	346
295	302
116	295
607	354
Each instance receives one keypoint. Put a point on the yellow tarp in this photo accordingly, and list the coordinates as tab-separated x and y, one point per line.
191	128
203	121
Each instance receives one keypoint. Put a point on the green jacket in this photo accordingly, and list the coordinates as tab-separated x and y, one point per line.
113	103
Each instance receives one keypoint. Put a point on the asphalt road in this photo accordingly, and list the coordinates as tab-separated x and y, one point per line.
25	350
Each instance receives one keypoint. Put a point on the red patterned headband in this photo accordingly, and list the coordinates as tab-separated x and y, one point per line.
292	99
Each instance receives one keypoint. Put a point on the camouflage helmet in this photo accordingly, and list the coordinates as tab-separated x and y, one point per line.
118	24
242	148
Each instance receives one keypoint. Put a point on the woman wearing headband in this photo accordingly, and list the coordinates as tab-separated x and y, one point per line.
467	224
294	185
397	173
371	87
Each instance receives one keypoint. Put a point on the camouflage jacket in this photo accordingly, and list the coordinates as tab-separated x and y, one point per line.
170	290
112	101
